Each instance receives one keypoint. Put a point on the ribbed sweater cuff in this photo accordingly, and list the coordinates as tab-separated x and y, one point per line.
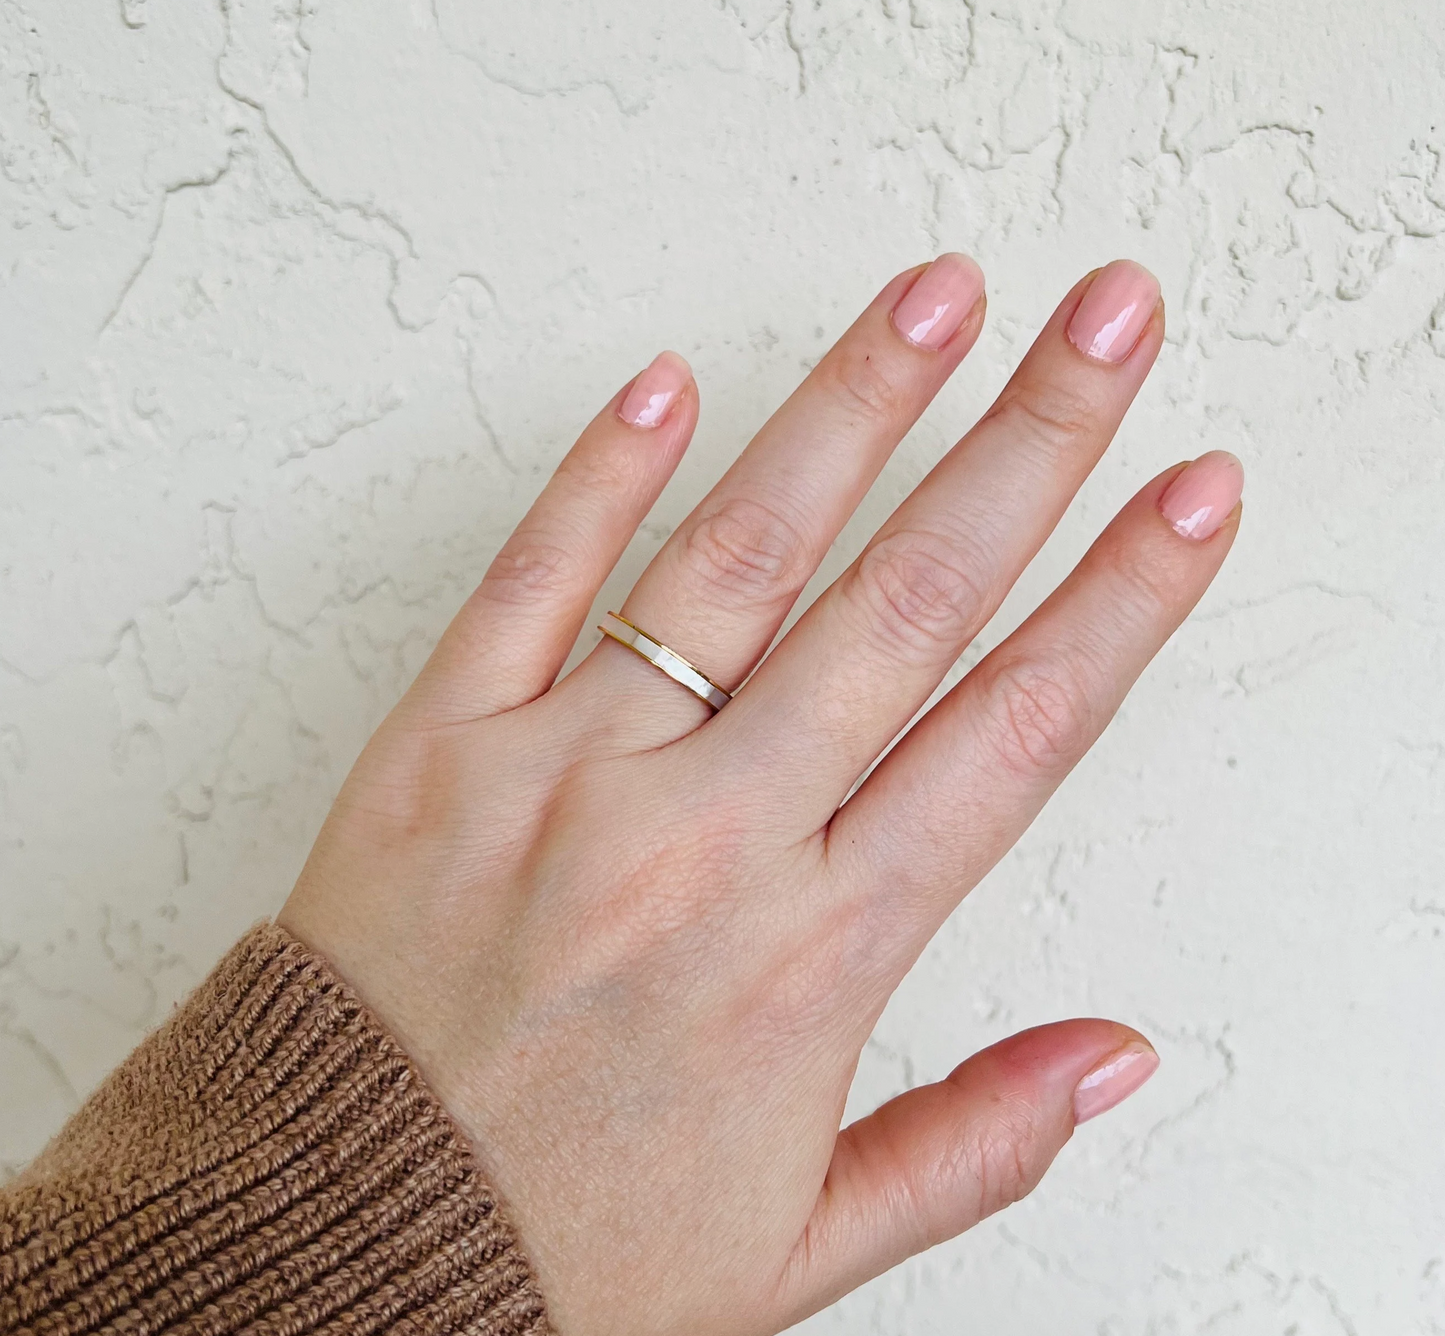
268	1162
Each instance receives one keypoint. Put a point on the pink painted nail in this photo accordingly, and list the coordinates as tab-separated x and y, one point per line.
1201	498
935	307
655	391
1113	1081
1114	311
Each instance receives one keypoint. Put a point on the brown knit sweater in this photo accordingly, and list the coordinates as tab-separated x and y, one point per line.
268	1162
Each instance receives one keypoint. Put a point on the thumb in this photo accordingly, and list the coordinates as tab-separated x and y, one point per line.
935	1161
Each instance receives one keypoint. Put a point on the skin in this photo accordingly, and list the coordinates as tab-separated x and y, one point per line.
636	949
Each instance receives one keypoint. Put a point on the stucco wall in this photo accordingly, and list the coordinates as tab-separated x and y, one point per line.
302	299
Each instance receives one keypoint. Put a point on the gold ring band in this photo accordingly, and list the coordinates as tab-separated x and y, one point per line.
659	656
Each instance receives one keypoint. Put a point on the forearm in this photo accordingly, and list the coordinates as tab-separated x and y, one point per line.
269	1160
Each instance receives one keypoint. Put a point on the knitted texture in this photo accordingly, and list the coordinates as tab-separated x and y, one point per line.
268	1162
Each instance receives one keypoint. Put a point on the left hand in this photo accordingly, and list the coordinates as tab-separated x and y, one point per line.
637	948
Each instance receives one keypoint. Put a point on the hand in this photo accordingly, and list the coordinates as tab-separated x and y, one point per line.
637	948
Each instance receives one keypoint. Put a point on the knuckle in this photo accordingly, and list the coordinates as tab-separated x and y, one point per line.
866	385
1006	1170
1039	722
918	591
1145	585
1049	414
745	552
521	575
601	472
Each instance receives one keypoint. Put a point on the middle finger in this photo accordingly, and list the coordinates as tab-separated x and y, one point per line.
869	652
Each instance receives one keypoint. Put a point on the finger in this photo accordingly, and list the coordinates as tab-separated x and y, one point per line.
866	656
511	638
935	1161
965	783
723	583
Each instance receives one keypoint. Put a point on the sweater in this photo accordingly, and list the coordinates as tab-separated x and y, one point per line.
270	1162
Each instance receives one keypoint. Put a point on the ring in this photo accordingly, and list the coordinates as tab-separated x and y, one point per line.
672	663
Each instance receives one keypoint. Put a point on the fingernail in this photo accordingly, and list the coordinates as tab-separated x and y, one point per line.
933	309
655	391
1114	311
1113	1081
1201	498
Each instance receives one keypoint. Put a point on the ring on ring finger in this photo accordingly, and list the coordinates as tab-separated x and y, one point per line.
668	661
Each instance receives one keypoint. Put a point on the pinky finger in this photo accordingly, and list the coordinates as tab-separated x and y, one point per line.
512	636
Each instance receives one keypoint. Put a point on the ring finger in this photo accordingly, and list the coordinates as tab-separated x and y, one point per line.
721	586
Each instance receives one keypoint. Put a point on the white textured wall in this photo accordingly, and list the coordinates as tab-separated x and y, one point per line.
302	299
